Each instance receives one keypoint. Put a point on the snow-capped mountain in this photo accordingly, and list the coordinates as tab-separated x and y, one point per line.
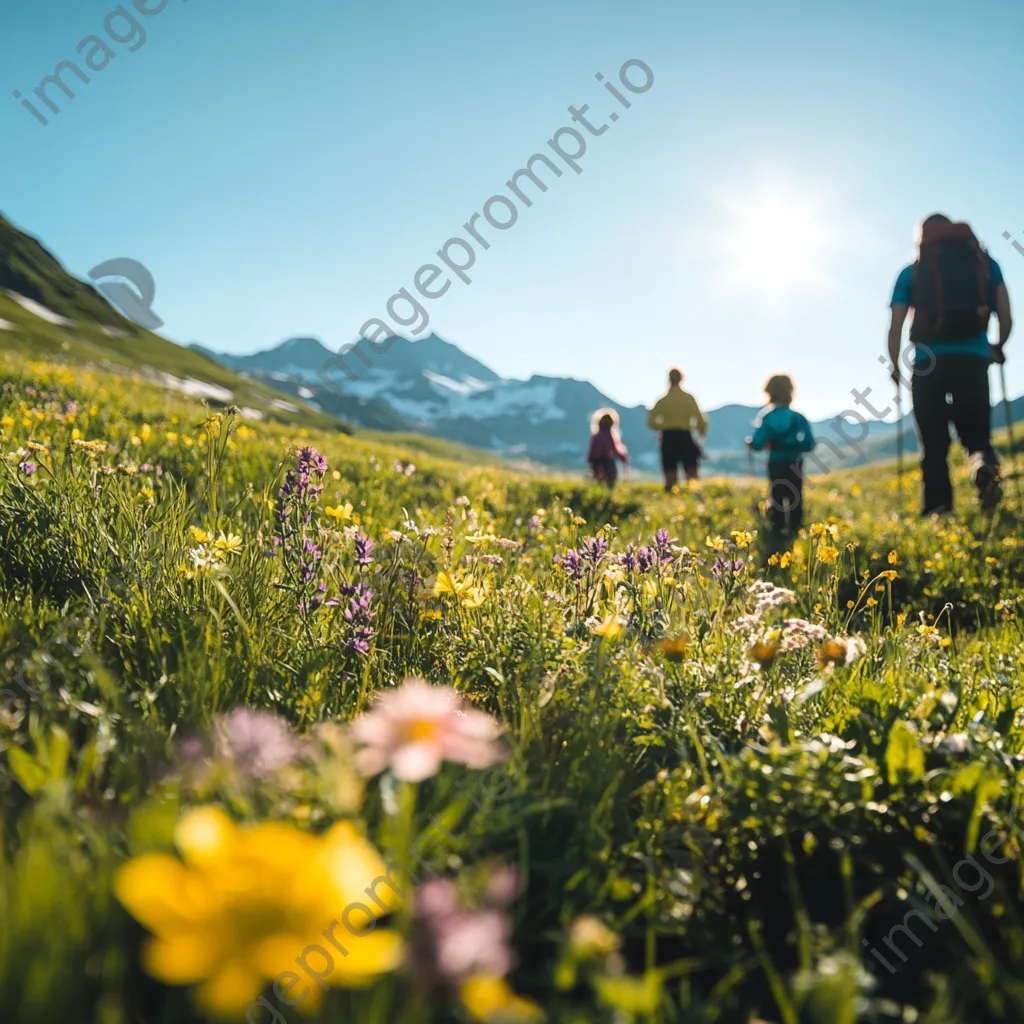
433	387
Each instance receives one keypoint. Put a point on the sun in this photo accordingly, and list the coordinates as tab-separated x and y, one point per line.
775	245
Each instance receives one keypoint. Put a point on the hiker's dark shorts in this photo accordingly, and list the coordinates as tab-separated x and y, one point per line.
678	446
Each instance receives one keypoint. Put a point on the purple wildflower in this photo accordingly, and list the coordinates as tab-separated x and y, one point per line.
593	549
359	617
628	559
258	743
451	944
570	564
726	567
645	559
26	467
363	546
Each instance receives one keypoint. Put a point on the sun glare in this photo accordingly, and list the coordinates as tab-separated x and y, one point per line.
775	245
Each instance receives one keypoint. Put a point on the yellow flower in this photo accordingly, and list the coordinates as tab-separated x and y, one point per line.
474	597
773	560
229	544
241	906
827	553
945	641
889	574
172	437
894	559
742	539
610	628
342	513
764	652
91	448
200	536
490	1000
785	558
716	545
674	650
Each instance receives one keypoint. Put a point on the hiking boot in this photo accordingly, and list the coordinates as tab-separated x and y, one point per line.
990	486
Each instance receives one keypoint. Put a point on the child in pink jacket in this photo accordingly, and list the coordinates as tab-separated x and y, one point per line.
605	447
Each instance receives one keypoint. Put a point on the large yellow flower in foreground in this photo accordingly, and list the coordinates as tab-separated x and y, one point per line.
243	906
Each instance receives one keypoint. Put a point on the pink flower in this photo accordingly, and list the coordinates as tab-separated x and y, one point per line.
413	729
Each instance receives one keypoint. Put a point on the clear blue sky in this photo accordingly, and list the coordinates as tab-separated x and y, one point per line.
284	168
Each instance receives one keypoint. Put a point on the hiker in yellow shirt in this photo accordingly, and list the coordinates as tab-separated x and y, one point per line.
677	416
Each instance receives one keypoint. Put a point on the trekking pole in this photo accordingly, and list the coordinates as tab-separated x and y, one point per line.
899	446
1009	430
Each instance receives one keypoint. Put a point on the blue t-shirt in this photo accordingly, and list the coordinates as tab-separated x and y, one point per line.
785	433
976	346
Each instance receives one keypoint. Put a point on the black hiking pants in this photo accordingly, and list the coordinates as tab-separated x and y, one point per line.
785	494
955	391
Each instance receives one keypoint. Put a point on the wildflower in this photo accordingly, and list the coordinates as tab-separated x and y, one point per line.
646	559
716	545
363	546
673	649
228	544
827	553
413	729
727	567
841	650
26	467
769	596
359	616
490	1000
764	652
893	558
91	448
206	562
799	633
593	549
258	743
343	513
589	937
609	628
241	904
889	574
742	539
570	564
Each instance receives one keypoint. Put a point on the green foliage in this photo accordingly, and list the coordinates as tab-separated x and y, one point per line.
749	811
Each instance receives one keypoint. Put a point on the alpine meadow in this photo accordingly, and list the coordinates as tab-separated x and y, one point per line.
301	724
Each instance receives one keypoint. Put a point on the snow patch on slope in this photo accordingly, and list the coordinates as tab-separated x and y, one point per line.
198	388
40	310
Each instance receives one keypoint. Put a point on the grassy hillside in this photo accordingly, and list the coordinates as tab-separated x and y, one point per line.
698	778
99	336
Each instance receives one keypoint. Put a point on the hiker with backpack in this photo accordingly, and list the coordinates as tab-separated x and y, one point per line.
677	416
953	288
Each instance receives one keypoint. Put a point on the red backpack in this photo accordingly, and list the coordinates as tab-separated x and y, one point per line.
952	283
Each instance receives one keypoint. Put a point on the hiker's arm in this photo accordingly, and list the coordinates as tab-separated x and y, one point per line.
1004	314
899	317
654	417
809	441
702	420
760	435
